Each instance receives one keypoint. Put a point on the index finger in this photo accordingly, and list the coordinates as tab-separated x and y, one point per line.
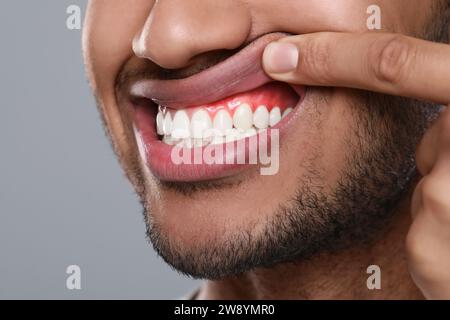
382	62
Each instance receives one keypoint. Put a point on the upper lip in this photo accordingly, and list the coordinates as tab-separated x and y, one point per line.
240	73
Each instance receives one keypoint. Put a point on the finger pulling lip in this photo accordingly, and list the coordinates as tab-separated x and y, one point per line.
240	73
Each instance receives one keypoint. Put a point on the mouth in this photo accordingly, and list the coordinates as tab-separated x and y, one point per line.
227	111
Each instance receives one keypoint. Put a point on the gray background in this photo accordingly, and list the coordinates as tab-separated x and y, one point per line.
63	198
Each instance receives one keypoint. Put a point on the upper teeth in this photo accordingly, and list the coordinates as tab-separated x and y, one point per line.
200	123
200	129
243	117
180	125
261	117
223	121
160	123
274	116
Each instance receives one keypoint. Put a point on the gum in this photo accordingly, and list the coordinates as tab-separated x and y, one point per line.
271	95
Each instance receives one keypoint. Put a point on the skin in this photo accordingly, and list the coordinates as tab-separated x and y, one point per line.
177	34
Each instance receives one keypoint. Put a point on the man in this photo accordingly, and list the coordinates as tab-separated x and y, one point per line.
346	194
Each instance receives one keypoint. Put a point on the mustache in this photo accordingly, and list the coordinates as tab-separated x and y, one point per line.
137	69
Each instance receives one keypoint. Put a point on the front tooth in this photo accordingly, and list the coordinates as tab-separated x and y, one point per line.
275	116
200	123
223	121
261	117
286	112
243	117
160	123
167	124
180	125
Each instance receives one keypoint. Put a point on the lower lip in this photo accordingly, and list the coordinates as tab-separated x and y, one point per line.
158	155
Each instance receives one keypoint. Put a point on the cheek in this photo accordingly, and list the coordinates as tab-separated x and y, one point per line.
322	139
107	37
305	16
340	126
109	30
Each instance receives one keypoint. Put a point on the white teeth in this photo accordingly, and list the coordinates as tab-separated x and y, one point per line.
261	117
286	112
180	125
200	123
167	124
201	130
275	116
160	123
223	121
243	117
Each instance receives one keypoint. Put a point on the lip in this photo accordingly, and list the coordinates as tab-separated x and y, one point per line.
240	73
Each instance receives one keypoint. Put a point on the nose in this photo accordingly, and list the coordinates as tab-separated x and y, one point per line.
177	31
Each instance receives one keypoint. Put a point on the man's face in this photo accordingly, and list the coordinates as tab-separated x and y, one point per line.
345	156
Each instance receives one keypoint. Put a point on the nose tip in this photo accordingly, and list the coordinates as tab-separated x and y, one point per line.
177	31
170	49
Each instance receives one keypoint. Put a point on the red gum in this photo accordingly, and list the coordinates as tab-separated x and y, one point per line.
275	94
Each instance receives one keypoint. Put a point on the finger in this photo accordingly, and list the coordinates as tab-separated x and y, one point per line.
434	148
428	239
381	62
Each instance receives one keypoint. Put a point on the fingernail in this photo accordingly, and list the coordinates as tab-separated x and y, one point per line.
280	57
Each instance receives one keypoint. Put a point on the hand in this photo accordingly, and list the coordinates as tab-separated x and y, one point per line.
402	66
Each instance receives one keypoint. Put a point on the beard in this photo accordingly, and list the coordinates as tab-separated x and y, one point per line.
380	171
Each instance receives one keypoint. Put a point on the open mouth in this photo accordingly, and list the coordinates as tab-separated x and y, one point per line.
224	106
231	119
